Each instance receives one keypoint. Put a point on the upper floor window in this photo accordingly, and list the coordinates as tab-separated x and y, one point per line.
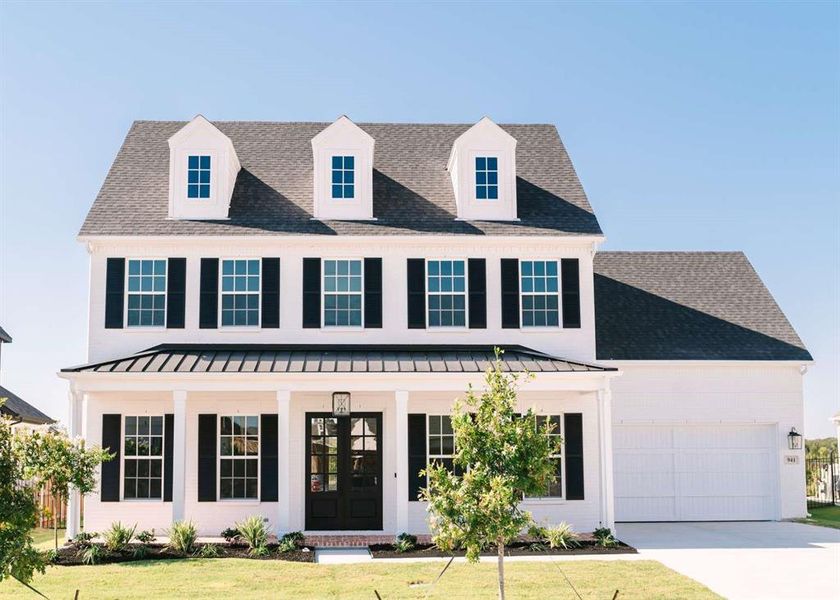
240	292
143	462
342	293
447	291
539	292
198	177
146	293
239	457
343	177
486	178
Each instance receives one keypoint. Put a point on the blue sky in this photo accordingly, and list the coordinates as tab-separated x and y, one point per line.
710	126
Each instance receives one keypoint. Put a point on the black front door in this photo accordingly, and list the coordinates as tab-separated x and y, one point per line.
343	471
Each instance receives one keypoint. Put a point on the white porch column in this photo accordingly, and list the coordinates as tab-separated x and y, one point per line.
179	454
606	451
74	500
401	431
284	427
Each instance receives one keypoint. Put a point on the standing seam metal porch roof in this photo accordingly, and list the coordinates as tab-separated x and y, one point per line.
324	358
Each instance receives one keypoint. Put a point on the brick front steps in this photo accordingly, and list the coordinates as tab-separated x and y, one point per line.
353	541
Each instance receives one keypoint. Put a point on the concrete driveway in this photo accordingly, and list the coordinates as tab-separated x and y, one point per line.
746	560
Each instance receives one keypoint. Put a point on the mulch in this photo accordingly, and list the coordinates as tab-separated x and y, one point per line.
587	547
69	555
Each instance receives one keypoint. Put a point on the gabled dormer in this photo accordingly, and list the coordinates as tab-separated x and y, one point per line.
482	166
342	157
202	171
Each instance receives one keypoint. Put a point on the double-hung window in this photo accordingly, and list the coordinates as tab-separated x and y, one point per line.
441	441
146	306
486	178
240	292
555	488
198	176
239	457
143	457
343	293
446	287
343	177
539	291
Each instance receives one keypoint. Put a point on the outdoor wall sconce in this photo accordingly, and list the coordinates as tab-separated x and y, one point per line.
341	404
794	439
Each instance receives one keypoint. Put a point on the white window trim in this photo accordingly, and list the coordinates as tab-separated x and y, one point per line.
164	293
123	458
562	456
354	197
324	293
219	458
258	293
448	328
541	328
475	184
429	456
212	183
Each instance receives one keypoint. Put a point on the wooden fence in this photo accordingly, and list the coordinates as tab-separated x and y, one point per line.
48	506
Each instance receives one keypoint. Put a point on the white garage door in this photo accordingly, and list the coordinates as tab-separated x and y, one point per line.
694	473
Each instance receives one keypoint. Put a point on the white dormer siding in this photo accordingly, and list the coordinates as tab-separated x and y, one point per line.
202	172
342	156
482	166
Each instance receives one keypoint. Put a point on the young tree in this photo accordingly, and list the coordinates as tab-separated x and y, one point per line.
53	458
503	457
18	514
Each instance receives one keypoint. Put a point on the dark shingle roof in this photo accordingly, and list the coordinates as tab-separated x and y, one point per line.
688	306
332	358
18	408
273	194
5	337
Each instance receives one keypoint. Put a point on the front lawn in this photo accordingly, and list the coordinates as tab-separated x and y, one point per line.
243	578
44	538
827	516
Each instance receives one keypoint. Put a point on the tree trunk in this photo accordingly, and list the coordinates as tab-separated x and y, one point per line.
500	546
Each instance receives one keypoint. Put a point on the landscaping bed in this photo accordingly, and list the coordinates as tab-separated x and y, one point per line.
69	555
518	548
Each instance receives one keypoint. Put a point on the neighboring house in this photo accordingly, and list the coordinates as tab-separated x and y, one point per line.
22	414
281	315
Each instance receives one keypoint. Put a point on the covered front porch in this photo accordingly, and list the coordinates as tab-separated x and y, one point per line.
256	430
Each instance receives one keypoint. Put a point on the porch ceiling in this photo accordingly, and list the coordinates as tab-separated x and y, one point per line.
333	358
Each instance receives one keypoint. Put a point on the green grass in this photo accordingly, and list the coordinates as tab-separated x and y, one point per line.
208	578
43	538
826	516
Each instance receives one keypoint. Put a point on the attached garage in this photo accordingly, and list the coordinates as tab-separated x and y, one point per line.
695	472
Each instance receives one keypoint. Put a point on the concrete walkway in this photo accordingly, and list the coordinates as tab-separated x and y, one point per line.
746	560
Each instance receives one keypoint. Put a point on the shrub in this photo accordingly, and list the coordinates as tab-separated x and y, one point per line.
182	537
230	534
286	545
405	542
561	536
295	536
258	551
604	537
83	540
141	552
254	531
146	536
117	537
51	555
208	551
537	547
92	555
538	532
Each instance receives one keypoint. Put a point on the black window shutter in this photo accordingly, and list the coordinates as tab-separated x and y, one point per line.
510	293
206	458
270	293
570	288
176	292
268	458
168	447
312	293
416	270
477	284
110	481
416	454
114	293
573	454
373	293
208	308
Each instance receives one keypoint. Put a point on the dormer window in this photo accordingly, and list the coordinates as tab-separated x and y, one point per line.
343	177
486	178
198	177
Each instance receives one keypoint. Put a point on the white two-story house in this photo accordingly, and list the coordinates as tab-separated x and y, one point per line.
281	315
